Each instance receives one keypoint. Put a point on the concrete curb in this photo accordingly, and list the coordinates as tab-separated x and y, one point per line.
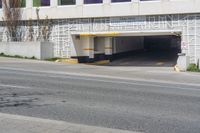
102	62
22	124
176	68
70	61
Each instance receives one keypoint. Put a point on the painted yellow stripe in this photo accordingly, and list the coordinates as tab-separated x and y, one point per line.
108	34
88	49
87	34
101	62
176	68
68	60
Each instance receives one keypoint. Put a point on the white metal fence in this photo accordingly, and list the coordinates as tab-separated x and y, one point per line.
188	24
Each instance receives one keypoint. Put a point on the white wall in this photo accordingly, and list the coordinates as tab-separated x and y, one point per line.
108	9
84	46
125	44
77	47
40	50
46	50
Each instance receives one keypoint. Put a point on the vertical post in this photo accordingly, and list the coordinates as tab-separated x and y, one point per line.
79	2
91	47
29	4
108	47
107	1
54	3
88	47
135	0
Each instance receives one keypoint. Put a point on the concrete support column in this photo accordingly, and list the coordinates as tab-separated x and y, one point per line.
108	46
107	1
88	46
29	4
54	3
91	47
79	2
135	0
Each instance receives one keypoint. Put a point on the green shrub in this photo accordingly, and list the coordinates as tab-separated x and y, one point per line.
193	68
17	56
33	57
52	59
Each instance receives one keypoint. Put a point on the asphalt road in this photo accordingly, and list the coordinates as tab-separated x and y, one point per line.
150	107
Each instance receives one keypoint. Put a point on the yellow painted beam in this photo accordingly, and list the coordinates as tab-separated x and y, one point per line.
109	34
87	34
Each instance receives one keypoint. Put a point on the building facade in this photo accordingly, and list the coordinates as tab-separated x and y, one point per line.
83	29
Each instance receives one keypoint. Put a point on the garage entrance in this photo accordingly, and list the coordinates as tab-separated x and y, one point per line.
152	51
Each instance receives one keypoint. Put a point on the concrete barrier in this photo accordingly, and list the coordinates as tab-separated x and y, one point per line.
183	61
39	50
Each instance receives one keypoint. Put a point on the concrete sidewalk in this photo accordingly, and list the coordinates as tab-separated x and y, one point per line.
21	124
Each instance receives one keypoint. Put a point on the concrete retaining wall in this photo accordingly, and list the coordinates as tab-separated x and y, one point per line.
183	62
40	50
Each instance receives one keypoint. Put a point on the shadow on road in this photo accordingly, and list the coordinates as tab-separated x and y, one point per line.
151	58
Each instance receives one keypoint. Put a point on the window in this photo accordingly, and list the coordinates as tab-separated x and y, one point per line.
93	1
37	3
66	2
121	1
0	3
23	3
